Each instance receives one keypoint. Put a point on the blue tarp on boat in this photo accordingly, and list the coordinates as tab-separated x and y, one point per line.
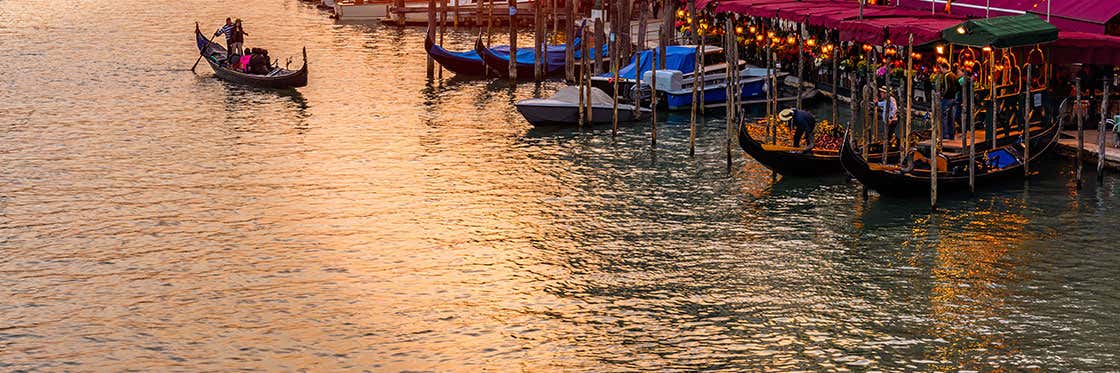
677	57
554	53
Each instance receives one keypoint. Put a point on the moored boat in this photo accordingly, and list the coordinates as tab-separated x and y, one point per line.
913	176
563	109
799	161
462	63
214	54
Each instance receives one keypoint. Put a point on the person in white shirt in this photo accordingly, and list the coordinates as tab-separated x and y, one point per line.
889	107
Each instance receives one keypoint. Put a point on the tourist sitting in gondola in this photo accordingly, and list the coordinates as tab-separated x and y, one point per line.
802	122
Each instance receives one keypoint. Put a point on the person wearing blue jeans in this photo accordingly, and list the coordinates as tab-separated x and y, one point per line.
950	105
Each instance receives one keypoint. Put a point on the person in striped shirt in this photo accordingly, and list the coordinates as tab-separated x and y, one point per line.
227	30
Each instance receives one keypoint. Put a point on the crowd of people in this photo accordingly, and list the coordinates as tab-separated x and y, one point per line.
248	60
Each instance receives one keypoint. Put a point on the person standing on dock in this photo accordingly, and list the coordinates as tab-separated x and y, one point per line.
802	122
950	106
889	106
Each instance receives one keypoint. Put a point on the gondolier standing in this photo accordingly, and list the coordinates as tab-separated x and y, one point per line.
227	30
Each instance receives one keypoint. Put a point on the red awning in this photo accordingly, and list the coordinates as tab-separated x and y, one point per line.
1080	47
781	9
1084	16
897	27
743	6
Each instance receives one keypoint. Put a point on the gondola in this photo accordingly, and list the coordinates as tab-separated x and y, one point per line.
279	78
499	64
1002	163
553	61
462	63
791	161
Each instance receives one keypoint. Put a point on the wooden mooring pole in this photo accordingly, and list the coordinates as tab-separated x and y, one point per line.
1027	123
586	61
653	93
695	83
904	139
512	40
614	70
570	33
935	148
1101	130
968	126
538	42
1080	129
431	34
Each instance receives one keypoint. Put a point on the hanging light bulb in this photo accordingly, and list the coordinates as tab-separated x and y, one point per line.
754	29
739	30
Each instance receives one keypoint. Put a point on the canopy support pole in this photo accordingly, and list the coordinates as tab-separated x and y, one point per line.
800	61
835	87
904	139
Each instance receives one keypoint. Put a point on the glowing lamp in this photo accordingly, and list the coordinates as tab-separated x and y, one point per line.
770	34
987	49
791	40
940	49
916	55
754	29
961	30
867	47
811	42
739	30
680	13
759	37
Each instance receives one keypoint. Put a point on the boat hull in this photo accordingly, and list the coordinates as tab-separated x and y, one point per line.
713	94
456	63
212	51
893	182
553	115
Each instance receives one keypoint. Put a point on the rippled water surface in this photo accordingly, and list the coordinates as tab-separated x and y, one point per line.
156	219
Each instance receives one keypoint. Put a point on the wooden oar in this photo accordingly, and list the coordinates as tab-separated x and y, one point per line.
201	52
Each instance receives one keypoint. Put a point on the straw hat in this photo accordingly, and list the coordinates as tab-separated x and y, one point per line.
785	115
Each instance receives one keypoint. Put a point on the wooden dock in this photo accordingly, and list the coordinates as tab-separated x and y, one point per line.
1067	145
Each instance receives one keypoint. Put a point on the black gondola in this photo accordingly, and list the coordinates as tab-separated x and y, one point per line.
792	161
214	53
462	63
500	65
1003	162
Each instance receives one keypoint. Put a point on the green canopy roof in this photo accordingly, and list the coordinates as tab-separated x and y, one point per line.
1002	32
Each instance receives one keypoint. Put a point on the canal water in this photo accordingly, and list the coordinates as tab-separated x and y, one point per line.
157	219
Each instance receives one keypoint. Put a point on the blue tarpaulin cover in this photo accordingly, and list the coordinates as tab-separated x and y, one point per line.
681	58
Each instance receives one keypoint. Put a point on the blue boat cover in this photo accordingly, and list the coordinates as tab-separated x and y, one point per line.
1001	159
501	51
677	57
554	53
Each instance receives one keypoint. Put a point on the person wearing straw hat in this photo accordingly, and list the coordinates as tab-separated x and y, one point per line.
802	122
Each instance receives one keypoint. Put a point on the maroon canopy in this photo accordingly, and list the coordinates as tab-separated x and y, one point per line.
1080	47
896	28
743	6
1067	15
780	9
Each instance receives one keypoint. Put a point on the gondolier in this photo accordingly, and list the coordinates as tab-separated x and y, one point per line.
227	30
802	122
